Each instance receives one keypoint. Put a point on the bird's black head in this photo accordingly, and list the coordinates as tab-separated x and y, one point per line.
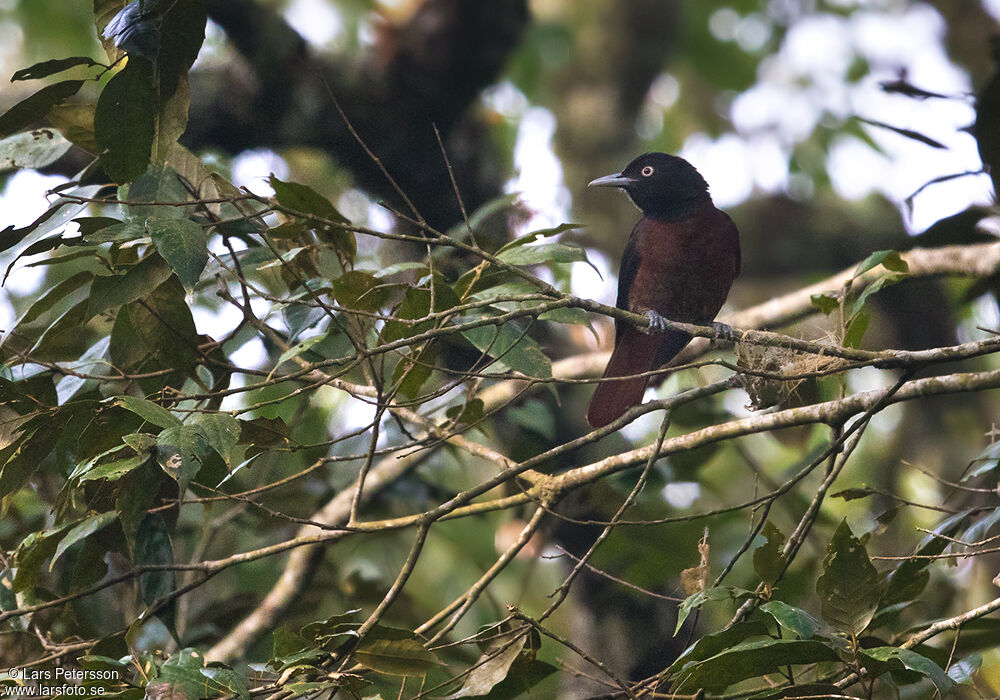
660	185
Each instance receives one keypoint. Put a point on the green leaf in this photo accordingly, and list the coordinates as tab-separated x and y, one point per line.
33	108
856	330
984	463
493	666
142	443
298	349
827	303
303	199
849	587
221	432
521	681
47	68
159	326
750	659
536	416
467	413
180	452
889	259
183	32
63	334
543	254
21	459
183	244
535	235
138	281
32	552
149	195
135	493
125	121
32	149
75	121
791	618
714	643
113	470
911	661
172	120
716	593
183	683
855	493
908	579
413	371
768	559
50	298
152	547
964	670
81	531
114	231
360	290
512	349
416	305
147	410
394	651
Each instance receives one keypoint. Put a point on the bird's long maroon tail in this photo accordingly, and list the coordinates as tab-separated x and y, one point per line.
635	352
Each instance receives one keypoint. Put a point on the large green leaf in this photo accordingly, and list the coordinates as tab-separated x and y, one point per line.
152	547
23	457
46	68
889	259
511	348
394	651
717	642
137	282
183	32
221	432
183	244
542	254
33	108
849	587
159	326
32	552
156	193
180	452
909	578
792	618
768	559
750	659
147	410
912	661
125	121
534	235
713	594
32	149
305	200
50	298
492	667
81	531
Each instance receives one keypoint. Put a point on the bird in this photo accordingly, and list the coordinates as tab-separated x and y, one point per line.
679	264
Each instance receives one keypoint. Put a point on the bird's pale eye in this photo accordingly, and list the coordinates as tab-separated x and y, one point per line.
647	171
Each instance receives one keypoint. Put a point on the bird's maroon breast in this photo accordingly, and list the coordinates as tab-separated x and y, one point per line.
686	267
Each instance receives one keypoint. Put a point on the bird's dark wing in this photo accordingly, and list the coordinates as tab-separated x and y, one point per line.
626	274
734	232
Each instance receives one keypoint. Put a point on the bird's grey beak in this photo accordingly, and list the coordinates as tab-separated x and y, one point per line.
616	180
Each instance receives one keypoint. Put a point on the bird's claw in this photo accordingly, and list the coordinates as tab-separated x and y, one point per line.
657	323
722	331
